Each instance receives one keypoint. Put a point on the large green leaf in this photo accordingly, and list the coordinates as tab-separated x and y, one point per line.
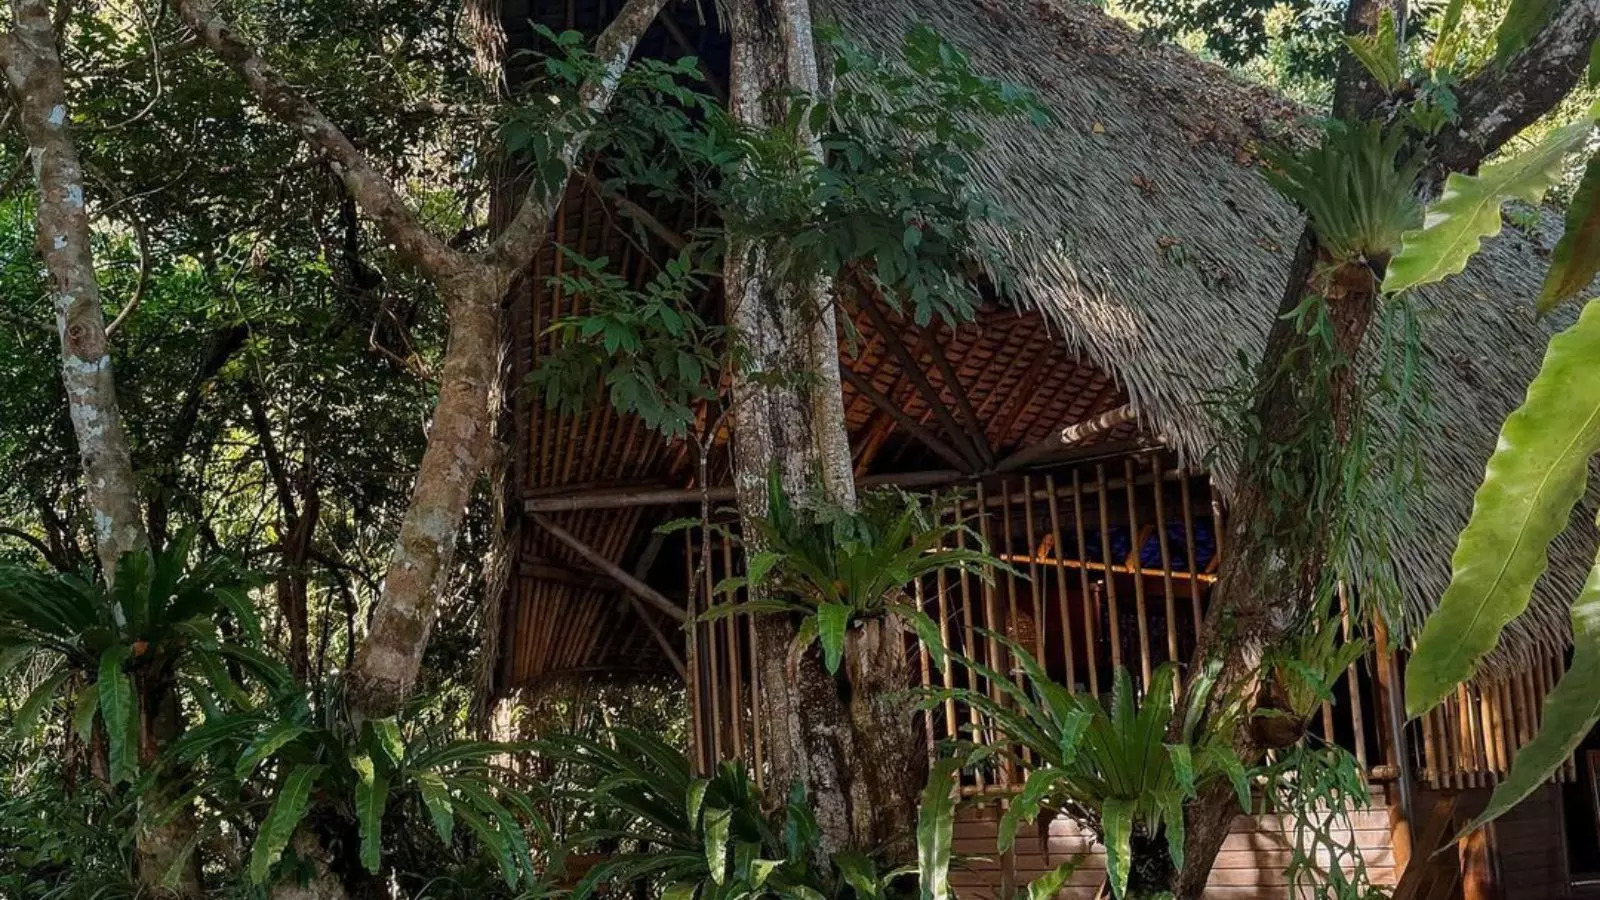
1048	885
1570	710
1469	210
1116	821
116	710
288	808
32	708
84	707
267	743
832	620
1577	256
716	838
436	797
372	793
936	826
1522	21
1535	477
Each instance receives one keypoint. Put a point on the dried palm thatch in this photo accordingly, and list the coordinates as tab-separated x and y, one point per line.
1144	255
1144	232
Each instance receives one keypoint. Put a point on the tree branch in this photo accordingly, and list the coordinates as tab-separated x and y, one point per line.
371	188
1498	102
33	71
527	229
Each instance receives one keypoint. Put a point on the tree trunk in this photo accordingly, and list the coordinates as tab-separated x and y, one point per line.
1275	558
848	741
458	444
33	71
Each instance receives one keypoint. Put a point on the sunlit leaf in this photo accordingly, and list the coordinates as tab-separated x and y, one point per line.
1048	885
1570	710
1468	210
1522	21
1576	260
372	793
288	809
1116	821
117	711
1535	477
436	797
936	825
832	621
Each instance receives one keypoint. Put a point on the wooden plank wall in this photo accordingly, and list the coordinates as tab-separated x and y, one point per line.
1250	866
1530	847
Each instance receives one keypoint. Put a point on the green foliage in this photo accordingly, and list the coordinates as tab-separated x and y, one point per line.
362	774
1379	52
1318	787
1468	210
834	567
1522	21
649	346
1576	259
1123	770
109	647
1534	479
1358	187
1306	667
887	209
690	837
1570	711
936	828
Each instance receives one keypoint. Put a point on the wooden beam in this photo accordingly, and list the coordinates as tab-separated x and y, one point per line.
912	426
1051	447
963	402
913	370
622	498
641	590
641	568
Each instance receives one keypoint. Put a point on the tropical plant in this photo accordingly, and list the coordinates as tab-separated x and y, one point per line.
111	652
322	764
1122	771
691	837
1299	674
834	566
1538	472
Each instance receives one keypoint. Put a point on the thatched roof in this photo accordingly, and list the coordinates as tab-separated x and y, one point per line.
1148	253
1147	236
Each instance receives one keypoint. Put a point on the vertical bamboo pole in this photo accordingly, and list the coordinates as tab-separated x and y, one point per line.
925	664
1353	679
945	672
692	665
1035	583
1136	542
1105	559
991	617
1090	634
714	657
969	641
736	712
1059	550
1166	566
1189	553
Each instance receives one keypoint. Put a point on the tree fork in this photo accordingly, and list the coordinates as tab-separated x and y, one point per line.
846	740
1265	583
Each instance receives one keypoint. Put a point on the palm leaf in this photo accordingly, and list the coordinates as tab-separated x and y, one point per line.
1534	479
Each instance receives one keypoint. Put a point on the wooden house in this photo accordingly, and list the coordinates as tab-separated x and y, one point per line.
1146	255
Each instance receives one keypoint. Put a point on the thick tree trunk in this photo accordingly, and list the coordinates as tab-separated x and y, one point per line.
458	444
471	287
849	740
1275	559
33	71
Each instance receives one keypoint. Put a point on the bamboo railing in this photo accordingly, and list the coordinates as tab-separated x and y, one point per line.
1110	565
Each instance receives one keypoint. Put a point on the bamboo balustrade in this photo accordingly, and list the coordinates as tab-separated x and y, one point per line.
1108	565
